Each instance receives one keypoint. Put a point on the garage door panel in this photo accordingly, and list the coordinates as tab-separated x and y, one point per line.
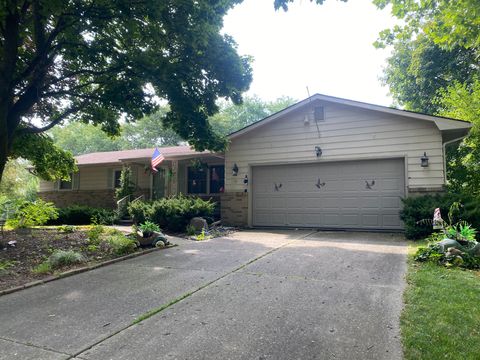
331	220
391	202
361	194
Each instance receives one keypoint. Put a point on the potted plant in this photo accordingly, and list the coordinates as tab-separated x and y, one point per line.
149	232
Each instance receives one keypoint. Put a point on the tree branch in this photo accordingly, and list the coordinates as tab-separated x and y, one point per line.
36	130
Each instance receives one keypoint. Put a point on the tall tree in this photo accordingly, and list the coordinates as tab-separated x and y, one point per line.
435	68
462	101
148	132
233	117
99	60
80	138
418	68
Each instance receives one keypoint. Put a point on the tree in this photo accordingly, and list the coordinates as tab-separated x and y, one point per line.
434	68
18	183
80	138
462	101
148	132
447	23
419	68
233	117
97	61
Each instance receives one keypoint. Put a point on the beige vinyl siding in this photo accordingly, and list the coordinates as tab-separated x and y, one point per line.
101	178
46	186
347	133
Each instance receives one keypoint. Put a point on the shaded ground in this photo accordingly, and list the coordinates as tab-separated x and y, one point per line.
252	295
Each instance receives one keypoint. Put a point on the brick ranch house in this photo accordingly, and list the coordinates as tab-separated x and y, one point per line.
323	162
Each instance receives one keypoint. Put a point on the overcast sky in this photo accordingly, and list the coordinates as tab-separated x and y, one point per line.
327	48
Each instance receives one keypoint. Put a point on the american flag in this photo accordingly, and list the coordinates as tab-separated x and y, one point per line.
157	159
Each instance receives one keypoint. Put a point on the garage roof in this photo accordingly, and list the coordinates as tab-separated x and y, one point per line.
454	127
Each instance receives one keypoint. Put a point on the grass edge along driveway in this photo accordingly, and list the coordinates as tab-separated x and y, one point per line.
441	315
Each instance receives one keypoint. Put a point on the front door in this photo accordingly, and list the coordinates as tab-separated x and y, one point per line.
158	185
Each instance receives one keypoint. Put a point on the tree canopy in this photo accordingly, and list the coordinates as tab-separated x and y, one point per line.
98	61
435	68
80	138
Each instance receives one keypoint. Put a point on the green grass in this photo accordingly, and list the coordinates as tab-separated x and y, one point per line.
441	318
42	268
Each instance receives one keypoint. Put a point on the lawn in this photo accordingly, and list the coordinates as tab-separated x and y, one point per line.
441	318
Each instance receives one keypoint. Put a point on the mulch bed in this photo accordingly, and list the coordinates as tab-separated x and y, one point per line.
32	249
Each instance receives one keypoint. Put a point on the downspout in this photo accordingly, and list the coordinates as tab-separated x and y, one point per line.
445	154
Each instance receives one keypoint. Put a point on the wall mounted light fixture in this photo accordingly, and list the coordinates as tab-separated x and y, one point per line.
235	170
424	160
318	151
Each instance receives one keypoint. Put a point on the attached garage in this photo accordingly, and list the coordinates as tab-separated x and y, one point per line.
327	162
348	194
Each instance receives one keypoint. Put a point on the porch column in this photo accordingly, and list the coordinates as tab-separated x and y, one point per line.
174	181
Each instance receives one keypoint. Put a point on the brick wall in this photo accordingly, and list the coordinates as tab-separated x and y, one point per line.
94	198
234	208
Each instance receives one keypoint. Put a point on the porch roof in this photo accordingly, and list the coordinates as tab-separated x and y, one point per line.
113	157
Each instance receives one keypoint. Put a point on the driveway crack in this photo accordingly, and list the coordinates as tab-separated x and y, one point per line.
163	307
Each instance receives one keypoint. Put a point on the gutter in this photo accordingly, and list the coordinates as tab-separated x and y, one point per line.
445	154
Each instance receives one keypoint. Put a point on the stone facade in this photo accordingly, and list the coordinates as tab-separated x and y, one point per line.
94	198
234	208
421	191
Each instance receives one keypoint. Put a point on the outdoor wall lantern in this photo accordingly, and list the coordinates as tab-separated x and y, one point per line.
318	151
235	170
424	160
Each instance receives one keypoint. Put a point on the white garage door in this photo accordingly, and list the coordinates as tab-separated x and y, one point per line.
347	195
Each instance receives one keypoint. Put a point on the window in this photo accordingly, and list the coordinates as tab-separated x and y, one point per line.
66	184
319	113
116	178
197	180
217	179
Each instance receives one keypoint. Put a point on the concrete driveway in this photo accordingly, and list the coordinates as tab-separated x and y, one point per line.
253	295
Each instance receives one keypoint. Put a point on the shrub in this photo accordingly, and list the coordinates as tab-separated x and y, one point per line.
61	258
120	244
84	215
67	229
140	211
32	213
422	207
171	213
104	217
94	234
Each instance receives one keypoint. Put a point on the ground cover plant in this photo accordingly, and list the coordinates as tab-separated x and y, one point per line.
49	250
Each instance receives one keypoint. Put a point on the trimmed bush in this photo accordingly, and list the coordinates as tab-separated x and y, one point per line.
173	213
120	244
84	215
422	207
140	211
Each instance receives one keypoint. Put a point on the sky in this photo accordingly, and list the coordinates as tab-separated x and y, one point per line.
328	48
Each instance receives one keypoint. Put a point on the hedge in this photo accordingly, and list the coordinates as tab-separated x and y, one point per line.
173	213
422	207
83	215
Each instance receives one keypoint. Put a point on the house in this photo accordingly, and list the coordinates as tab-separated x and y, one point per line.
323	162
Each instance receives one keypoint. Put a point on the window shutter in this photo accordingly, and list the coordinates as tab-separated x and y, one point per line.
109	178
134	174
76	181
